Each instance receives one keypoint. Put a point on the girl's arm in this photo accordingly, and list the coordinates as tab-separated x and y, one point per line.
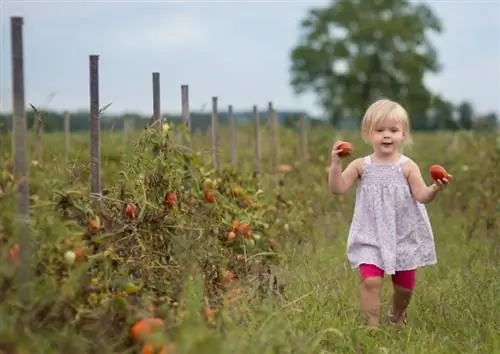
340	182
421	192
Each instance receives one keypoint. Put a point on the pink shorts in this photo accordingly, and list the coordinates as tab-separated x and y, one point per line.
404	279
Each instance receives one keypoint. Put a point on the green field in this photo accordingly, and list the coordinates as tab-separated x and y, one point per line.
298	296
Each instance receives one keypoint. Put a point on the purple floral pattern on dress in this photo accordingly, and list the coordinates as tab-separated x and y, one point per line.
389	229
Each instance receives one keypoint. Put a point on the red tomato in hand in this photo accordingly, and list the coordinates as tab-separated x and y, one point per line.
345	147
438	173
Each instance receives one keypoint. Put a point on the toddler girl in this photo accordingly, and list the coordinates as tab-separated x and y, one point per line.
390	230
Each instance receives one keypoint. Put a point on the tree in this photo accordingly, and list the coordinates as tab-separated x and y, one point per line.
465	115
488	122
355	51
442	115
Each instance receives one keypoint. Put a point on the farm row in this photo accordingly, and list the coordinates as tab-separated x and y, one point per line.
180	258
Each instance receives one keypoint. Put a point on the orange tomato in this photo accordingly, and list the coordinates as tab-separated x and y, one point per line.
438	173
79	254
145	327
345	147
14	252
208	313
148	348
209	196
245	230
235	224
285	168
131	211
231	236
95	223
170	199
247	200
229	277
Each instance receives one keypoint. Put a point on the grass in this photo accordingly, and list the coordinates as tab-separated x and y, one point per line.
455	307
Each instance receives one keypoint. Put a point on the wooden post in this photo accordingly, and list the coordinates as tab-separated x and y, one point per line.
22	227
274	129
95	149
256	140
232	137
186	118
38	117
303	137
215	133
132	125
67	136
156	101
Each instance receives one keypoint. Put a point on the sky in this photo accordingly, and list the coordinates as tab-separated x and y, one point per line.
235	50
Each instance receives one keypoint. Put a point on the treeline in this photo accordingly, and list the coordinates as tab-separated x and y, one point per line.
54	121
443	116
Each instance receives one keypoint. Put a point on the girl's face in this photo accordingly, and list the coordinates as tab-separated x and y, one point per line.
386	137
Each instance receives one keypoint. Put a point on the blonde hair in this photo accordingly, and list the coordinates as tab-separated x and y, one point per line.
385	109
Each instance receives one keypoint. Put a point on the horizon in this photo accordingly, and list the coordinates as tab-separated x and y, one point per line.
226	47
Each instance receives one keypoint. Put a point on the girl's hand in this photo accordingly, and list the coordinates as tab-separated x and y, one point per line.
335	153
442	183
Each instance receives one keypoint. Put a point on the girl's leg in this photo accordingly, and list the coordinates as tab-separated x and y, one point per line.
404	283
371	284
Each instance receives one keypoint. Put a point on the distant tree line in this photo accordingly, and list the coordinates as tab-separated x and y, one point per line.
80	120
443	116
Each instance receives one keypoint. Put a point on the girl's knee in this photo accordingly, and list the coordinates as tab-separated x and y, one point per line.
372	283
405	280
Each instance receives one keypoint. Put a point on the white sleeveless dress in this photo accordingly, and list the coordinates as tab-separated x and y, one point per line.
389	229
